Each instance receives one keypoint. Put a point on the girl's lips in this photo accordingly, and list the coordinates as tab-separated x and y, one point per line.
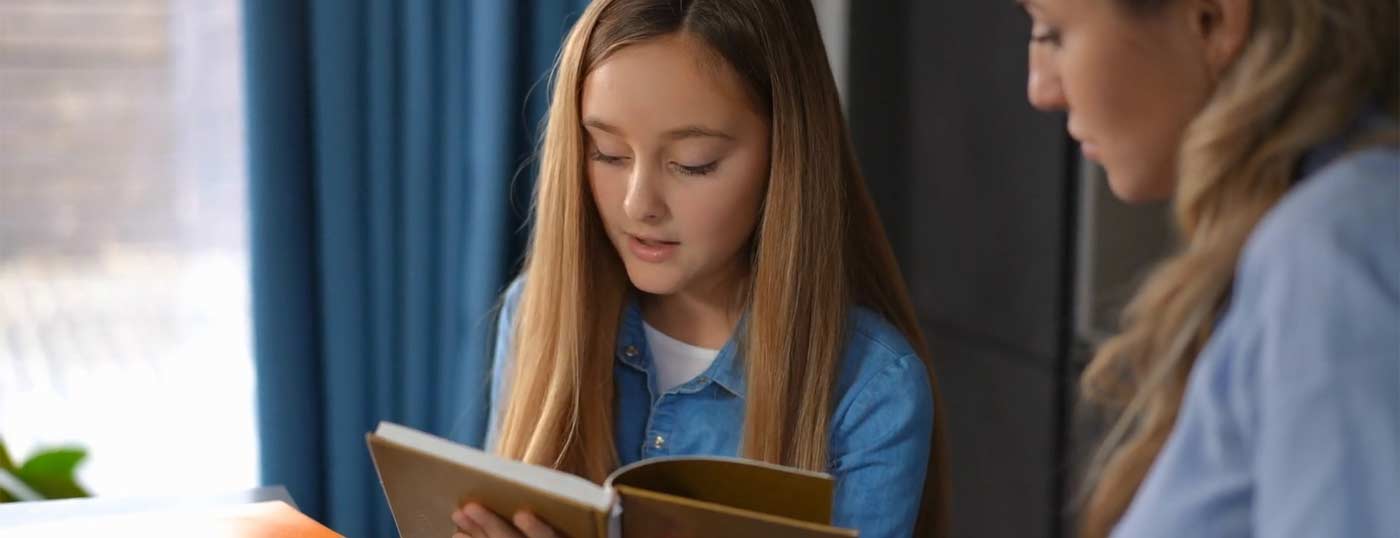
651	250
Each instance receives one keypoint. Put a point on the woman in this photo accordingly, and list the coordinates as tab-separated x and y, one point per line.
1258	368
707	273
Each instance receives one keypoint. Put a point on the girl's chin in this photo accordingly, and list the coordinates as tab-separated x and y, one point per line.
653	280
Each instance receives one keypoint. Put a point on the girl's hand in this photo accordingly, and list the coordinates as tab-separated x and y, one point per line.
475	521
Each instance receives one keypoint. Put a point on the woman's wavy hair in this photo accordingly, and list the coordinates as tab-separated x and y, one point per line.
1307	70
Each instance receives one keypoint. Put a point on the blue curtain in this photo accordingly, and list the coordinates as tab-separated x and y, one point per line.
387	196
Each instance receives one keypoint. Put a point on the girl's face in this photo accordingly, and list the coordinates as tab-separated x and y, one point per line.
1129	82
677	162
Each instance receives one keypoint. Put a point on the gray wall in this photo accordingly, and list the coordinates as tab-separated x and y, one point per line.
979	193
1018	257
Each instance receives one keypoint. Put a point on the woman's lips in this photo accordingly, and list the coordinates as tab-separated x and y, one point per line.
1090	151
651	250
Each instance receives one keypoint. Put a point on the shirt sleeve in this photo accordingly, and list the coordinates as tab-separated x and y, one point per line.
880	451
1327	431
500	361
1290	425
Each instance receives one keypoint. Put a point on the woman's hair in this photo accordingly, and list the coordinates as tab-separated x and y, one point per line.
1306	71
817	250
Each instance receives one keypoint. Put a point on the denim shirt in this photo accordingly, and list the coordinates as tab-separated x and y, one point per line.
1290	424
881	423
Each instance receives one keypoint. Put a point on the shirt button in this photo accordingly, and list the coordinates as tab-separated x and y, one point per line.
703	380
659	442
630	351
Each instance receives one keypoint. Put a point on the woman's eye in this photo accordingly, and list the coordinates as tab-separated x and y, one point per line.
1045	36
605	158
701	170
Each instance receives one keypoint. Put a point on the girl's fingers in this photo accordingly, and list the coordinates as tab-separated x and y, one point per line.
490	525
532	526
464	523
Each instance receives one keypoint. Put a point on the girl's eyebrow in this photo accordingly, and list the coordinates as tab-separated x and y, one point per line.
598	124
679	133
695	131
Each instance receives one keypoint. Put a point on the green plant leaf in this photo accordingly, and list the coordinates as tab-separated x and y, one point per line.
5	495
7	465
51	473
5	462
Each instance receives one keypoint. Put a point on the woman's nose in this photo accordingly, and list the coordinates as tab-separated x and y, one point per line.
1043	88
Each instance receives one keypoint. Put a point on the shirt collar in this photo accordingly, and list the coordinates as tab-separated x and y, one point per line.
1370	118
727	371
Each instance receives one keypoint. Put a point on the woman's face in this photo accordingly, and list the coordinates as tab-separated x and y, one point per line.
1129	82
677	162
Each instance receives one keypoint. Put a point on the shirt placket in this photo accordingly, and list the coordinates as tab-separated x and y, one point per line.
661	416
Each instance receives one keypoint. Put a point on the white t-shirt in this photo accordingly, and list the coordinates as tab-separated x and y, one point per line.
676	362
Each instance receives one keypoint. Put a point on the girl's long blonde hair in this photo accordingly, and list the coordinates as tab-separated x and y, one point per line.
818	250
1308	69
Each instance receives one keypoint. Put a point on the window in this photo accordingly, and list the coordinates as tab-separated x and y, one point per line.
123	267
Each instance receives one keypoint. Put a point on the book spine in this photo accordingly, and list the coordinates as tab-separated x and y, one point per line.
611	521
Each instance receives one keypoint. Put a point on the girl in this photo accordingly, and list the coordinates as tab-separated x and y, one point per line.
1259	367
707	273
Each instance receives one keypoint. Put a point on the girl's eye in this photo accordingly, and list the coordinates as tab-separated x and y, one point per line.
701	170
605	158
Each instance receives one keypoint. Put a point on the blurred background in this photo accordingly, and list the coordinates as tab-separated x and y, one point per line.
347	180
124	324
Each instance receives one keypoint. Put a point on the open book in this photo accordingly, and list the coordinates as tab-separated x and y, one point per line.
426	478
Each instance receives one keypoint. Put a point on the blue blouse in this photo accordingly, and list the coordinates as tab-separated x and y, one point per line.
881	422
1290	425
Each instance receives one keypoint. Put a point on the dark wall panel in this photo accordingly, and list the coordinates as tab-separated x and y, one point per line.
1004	444
978	192
990	183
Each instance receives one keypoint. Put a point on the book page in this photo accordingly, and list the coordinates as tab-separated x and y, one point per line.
647	514
426	478
736	483
560	483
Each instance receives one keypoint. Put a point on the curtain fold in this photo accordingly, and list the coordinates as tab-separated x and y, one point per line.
388	144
